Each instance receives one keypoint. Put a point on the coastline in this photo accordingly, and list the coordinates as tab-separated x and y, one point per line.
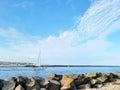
87	81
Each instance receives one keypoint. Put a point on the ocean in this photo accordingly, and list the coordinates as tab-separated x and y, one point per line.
6	72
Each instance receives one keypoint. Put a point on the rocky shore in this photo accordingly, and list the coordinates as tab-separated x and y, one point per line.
88	81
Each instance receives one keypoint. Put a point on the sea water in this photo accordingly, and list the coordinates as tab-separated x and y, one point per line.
6	72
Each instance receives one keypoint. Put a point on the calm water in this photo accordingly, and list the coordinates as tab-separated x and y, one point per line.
27	71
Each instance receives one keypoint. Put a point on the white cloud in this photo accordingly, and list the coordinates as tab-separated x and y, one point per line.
85	44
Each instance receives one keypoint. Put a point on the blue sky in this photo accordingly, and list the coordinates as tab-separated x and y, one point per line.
66	31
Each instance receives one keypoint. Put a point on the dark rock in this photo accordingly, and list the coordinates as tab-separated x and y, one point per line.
99	74
82	81
1	84
54	85
73	86
56	78
112	77
59	76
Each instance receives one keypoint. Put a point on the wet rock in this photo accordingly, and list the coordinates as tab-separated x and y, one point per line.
53	84
19	87
66	82
8	85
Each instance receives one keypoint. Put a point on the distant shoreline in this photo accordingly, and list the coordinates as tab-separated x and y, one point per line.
59	66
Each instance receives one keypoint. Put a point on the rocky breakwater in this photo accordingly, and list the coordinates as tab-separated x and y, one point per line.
88	81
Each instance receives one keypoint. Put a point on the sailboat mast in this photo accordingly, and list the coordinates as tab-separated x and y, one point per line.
39	58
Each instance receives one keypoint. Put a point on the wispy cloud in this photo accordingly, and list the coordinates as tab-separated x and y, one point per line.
85	44
24	4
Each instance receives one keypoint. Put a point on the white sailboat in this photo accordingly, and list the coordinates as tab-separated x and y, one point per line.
38	67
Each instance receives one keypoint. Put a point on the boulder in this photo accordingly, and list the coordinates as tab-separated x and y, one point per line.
1	84
93	81
30	82
9	85
19	87
91	75
66	82
54	85
117	74
82	81
12	79
112	77
22	80
98	74
103	78
44	82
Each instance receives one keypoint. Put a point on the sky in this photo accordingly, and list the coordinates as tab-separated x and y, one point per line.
78	32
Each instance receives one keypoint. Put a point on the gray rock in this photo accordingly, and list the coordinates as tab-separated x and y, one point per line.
54	85
82	81
11	79
8	85
93	81
31	82
45	82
